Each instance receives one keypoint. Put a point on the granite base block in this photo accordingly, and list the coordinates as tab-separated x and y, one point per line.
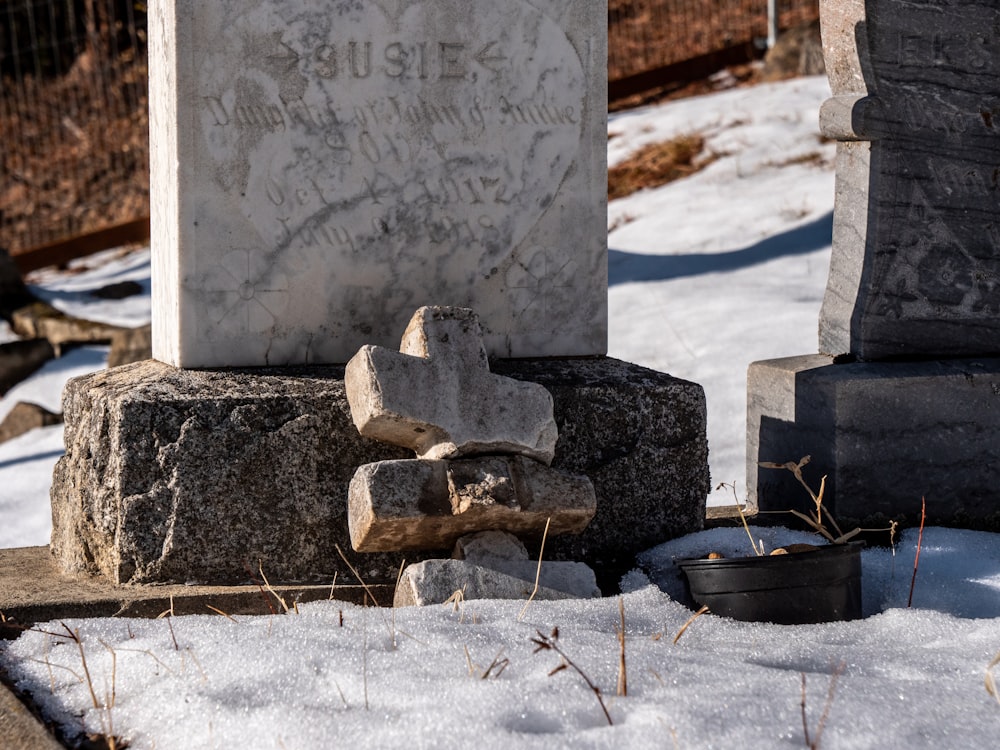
175	475
884	434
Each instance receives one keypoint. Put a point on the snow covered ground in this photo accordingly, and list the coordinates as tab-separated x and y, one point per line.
706	275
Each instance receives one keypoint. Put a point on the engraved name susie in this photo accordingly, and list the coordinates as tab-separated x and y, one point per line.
446	61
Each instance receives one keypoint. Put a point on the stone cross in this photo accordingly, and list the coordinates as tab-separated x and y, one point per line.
916	112
437	396
321	168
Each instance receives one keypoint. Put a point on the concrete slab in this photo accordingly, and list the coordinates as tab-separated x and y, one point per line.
33	589
19	729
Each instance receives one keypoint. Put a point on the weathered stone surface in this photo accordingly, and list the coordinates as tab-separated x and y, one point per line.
41	320
916	245
18	359
640	437
178	475
436	581
885	434
24	417
428	504
322	168
131	345
437	396
490	545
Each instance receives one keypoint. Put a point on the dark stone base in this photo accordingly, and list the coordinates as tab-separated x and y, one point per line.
177	475
885	434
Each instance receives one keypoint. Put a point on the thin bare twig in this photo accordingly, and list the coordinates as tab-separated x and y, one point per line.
691	619
551	643
991	683
538	570
622	687
813	743
920	541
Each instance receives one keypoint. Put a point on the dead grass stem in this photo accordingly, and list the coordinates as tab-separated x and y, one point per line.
920	542
622	686
538	570
551	643
813	741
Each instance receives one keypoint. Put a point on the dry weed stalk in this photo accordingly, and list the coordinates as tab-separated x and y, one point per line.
220	612
991	683
813	742
816	521
103	708
538	570
920	542
498	663
551	643
757	550
622	687
281	601
687	624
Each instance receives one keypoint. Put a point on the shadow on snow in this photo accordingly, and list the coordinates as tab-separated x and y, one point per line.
624	267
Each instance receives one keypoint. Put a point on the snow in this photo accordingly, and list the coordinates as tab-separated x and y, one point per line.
706	275
336	674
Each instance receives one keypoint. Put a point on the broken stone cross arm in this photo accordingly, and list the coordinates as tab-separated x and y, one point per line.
437	396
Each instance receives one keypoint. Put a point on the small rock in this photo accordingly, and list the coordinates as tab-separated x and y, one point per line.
436	581
25	417
41	320
490	545
19	359
131	345
118	290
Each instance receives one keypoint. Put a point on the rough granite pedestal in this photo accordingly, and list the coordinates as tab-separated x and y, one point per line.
175	475
884	434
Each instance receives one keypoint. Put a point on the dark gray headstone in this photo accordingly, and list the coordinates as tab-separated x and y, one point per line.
916	108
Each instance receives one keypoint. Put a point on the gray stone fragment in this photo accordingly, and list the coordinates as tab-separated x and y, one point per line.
24	417
180	475
915	268
489	544
885	434
429	504
436	581
437	396
41	320
118	290
19	359
130	345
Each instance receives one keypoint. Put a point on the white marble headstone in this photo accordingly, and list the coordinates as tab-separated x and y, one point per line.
322	168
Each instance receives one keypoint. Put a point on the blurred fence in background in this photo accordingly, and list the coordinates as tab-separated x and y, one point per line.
74	149
650	40
73	121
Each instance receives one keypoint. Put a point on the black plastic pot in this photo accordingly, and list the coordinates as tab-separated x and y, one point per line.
820	585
